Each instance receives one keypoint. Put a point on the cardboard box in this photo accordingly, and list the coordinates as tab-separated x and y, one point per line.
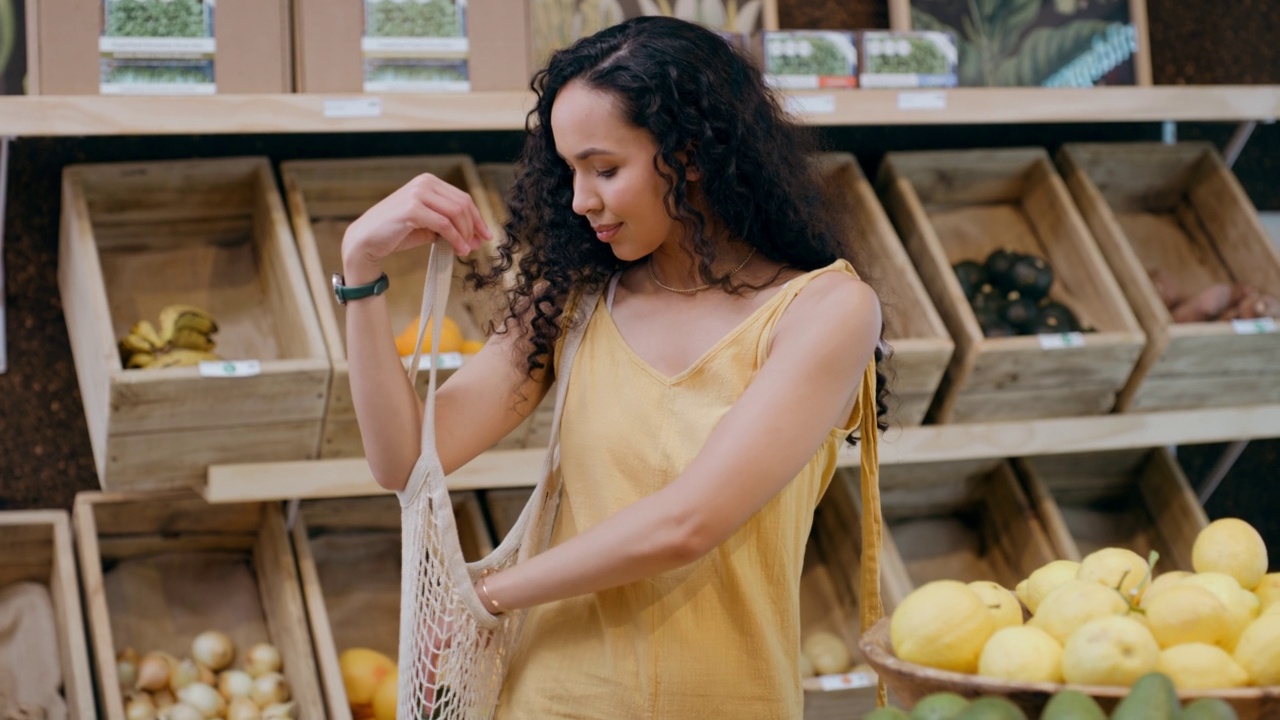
329	42
907	59
809	59
248	44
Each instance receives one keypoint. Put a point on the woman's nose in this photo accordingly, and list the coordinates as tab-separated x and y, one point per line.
585	199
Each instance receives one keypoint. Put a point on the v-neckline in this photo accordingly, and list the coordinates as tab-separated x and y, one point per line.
705	356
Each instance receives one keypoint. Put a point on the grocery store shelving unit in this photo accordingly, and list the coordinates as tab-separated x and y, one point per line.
506	111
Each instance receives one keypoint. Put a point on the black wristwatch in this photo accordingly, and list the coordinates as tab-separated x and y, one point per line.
346	294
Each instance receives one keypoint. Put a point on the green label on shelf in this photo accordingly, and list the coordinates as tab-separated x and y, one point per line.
1059	341
230	368
1255	326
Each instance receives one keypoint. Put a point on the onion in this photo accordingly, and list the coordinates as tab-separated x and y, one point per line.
140	707
213	650
242	708
269	690
184	674
203	698
153	671
181	711
261	659
163	699
281	711
235	684
127	667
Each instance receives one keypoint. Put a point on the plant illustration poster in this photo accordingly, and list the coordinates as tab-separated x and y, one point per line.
1053	43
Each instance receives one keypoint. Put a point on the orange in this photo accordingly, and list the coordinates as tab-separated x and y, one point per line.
451	339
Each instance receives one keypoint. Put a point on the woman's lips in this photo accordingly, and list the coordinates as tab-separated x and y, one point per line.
605	233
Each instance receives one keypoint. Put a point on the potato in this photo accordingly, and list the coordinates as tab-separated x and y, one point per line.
1206	306
827	652
1166	287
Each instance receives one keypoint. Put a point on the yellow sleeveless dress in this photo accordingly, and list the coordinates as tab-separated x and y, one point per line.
719	638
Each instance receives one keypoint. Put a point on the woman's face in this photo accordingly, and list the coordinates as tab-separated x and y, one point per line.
615	185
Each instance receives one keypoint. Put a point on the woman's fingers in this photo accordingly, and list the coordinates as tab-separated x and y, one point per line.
442	225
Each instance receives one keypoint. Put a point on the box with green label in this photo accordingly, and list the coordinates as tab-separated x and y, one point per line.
193	332
920	59
809	59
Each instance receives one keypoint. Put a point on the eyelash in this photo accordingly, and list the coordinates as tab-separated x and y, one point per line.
606	173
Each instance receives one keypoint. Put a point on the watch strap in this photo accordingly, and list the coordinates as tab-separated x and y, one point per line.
346	293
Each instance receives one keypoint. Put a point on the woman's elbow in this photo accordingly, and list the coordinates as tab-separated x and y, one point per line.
693	534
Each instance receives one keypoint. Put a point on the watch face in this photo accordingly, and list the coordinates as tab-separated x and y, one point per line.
337	288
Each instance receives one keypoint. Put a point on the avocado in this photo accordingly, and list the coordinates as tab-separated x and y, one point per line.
991	708
988	298
1020	311
1030	276
971	276
1072	705
886	713
1209	709
939	706
994	327
1063	319
998	266
1153	697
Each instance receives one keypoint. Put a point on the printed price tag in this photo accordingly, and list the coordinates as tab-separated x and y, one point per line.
448	361
847	681
922	100
1257	326
810	104
353	107
230	368
1059	341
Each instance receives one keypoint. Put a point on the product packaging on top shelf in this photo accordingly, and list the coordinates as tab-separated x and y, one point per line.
415	46
809	59
892	59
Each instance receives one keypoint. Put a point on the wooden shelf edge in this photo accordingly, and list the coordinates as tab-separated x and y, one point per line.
62	115
937	443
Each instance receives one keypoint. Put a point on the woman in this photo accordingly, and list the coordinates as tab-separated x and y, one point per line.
718	375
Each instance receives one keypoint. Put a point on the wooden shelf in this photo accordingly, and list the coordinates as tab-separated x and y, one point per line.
301	113
519	468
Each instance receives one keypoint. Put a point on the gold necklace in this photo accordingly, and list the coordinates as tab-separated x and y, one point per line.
700	288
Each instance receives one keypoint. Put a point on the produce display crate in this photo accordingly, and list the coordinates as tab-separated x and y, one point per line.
348	552
964	520
160	568
1137	499
324	197
136	237
35	546
921	346
1180	210
503	508
951	206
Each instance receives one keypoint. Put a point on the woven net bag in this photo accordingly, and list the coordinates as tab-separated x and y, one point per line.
453	652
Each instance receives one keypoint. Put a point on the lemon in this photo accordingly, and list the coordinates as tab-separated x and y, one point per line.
1242	605
1268	591
1046	578
1258	651
1188	613
362	671
1073	604
385	697
1200	666
451	337
1002	603
1112	650
1118	568
942	624
1160	583
1231	546
1022	653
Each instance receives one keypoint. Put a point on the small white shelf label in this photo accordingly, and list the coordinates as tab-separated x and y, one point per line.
448	361
1060	341
810	104
353	107
922	100
230	368
847	681
1256	326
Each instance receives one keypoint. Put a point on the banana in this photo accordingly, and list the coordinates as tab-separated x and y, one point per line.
139	360
185	337
145	330
181	357
188	316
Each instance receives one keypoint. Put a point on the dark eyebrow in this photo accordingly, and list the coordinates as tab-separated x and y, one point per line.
591	151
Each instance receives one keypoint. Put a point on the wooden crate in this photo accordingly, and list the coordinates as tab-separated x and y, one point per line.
324	197
212	233
503	508
1179	208
35	546
348	554
913	329
962	205
159	568
1137	499
964	520
830	592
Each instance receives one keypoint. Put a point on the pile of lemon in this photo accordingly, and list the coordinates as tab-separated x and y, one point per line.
1108	620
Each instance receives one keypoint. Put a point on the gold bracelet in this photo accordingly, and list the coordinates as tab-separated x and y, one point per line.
494	608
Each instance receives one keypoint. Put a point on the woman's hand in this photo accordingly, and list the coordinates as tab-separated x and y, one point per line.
422	211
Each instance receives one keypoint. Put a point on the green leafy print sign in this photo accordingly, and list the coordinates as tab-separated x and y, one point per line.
1060	43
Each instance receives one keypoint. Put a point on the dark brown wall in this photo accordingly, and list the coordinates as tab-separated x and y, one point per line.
44	448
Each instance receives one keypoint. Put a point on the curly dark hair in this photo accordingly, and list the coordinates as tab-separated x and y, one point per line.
707	107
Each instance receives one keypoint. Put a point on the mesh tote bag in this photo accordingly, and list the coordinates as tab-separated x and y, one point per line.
453	652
